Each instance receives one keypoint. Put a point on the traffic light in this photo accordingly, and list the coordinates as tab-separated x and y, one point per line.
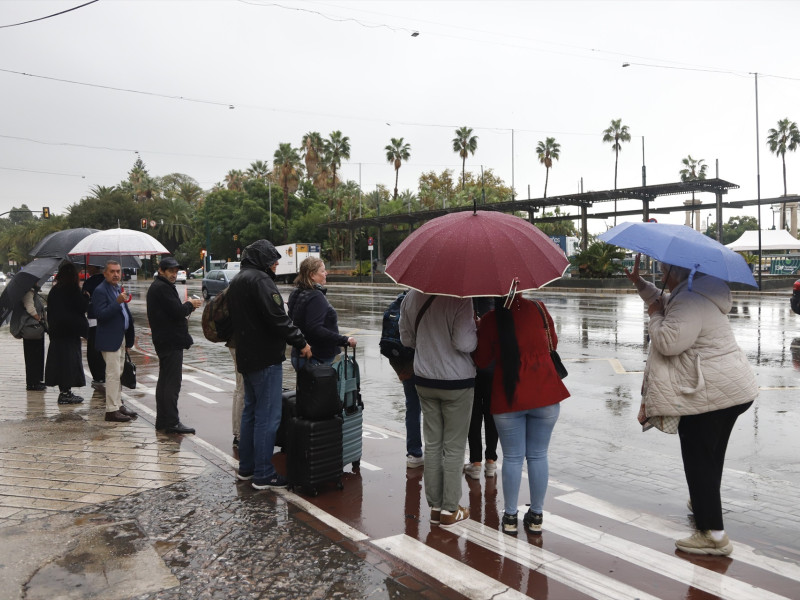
144	223
46	212
235	237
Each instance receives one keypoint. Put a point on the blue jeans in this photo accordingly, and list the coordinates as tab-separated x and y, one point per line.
413	412
526	434
260	419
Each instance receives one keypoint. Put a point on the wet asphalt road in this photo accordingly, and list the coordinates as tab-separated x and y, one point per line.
593	330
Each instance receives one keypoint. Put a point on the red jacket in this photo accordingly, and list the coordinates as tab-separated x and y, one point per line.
539	385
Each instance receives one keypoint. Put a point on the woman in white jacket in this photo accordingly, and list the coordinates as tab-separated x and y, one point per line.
695	371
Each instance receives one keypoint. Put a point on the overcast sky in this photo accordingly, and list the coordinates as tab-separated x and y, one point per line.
537	68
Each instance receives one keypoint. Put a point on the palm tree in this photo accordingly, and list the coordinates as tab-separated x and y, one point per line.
464	144
258	169
288	168
396	153
692	171
235	180
175	214
337	148
312	148
785	137
615	135
547	151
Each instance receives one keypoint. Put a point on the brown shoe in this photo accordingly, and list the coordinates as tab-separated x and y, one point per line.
128	412
449	519
117	417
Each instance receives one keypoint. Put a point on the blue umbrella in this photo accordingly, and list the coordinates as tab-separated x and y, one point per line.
683	247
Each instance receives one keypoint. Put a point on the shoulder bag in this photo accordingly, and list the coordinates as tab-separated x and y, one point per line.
561	370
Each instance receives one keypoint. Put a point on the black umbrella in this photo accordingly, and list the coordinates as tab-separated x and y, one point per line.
58	244
99	260
35	272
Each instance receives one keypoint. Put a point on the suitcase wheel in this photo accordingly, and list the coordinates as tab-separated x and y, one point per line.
356	464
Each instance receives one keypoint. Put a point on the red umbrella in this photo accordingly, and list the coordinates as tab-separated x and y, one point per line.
476	253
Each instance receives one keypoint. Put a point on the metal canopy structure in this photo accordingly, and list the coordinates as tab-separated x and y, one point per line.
584	201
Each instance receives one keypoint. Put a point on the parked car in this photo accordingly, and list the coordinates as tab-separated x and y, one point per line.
181	278
2	277
217	280
196	274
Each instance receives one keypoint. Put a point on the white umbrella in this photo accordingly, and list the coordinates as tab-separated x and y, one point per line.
119	242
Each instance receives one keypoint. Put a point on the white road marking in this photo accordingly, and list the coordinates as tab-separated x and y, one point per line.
370	466
198	381
203	398
340	526
463	579
153	377
552	566
659	562
654	524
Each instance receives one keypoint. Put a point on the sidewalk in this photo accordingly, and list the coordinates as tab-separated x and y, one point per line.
90	509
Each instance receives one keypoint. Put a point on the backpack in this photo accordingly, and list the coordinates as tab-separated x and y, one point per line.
217	321
794	301
390	334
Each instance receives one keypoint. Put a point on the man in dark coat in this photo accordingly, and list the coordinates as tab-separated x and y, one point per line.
261	330
170	330
97	366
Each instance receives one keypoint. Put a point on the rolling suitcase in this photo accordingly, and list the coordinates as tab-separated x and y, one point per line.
317	392
288	410
314	453
352	409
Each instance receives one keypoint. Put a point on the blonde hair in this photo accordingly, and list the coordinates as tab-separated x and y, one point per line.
307	268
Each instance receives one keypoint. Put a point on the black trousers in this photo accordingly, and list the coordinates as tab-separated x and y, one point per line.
97	366
34	361
168	388
704	440
482	416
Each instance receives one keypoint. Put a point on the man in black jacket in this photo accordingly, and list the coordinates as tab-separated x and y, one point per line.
170	330
261	330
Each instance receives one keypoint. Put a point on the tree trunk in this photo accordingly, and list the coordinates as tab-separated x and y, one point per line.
783	206
546	179
396	177
463	171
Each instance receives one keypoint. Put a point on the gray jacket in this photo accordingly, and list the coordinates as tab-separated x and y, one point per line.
443	343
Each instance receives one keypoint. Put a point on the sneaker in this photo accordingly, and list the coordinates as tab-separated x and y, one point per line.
473	470
414	462
490	468
243	476
436	516
275	482
510	523
36	387
69	398
236	441
98	384
532	522
701	542
448	519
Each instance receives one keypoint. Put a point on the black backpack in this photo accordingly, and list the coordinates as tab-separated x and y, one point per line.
390	335
794	301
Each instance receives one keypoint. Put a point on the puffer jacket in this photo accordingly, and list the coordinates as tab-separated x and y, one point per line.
695	365
261	327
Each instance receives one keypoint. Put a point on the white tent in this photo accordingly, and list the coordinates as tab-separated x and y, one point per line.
771	239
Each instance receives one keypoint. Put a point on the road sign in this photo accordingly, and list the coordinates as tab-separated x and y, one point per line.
152	223
370	242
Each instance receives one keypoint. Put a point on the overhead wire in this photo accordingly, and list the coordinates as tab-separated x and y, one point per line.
49	16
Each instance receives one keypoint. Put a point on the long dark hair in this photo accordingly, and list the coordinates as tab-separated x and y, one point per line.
67	276
509	350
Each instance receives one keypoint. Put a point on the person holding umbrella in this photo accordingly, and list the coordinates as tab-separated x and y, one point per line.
695	372
33	348
525	398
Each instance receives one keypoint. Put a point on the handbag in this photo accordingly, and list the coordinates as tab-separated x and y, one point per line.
561	370
25	327
128	376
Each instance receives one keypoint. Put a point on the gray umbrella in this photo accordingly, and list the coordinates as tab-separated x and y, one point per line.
35	272
58	244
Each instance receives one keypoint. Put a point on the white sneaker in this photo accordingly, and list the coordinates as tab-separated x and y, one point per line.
473	470
414	462
490	468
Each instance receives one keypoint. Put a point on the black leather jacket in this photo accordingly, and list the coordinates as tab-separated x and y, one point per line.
261	327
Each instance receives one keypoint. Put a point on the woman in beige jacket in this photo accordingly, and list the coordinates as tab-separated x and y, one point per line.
696	371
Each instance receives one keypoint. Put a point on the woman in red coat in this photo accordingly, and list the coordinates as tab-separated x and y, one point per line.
526	392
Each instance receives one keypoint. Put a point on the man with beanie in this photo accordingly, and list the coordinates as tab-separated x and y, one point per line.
261	330
170	329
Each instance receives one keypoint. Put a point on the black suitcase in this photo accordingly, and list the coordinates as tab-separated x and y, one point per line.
317	392
314	453
288	410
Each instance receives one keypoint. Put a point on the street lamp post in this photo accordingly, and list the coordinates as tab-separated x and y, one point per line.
758	182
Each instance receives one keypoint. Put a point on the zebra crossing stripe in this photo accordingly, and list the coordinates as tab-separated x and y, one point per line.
463	579
651	523
549	564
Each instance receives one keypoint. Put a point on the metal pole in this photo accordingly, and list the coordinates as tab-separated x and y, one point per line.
644	168
270	208
359	190
758	183
513	191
